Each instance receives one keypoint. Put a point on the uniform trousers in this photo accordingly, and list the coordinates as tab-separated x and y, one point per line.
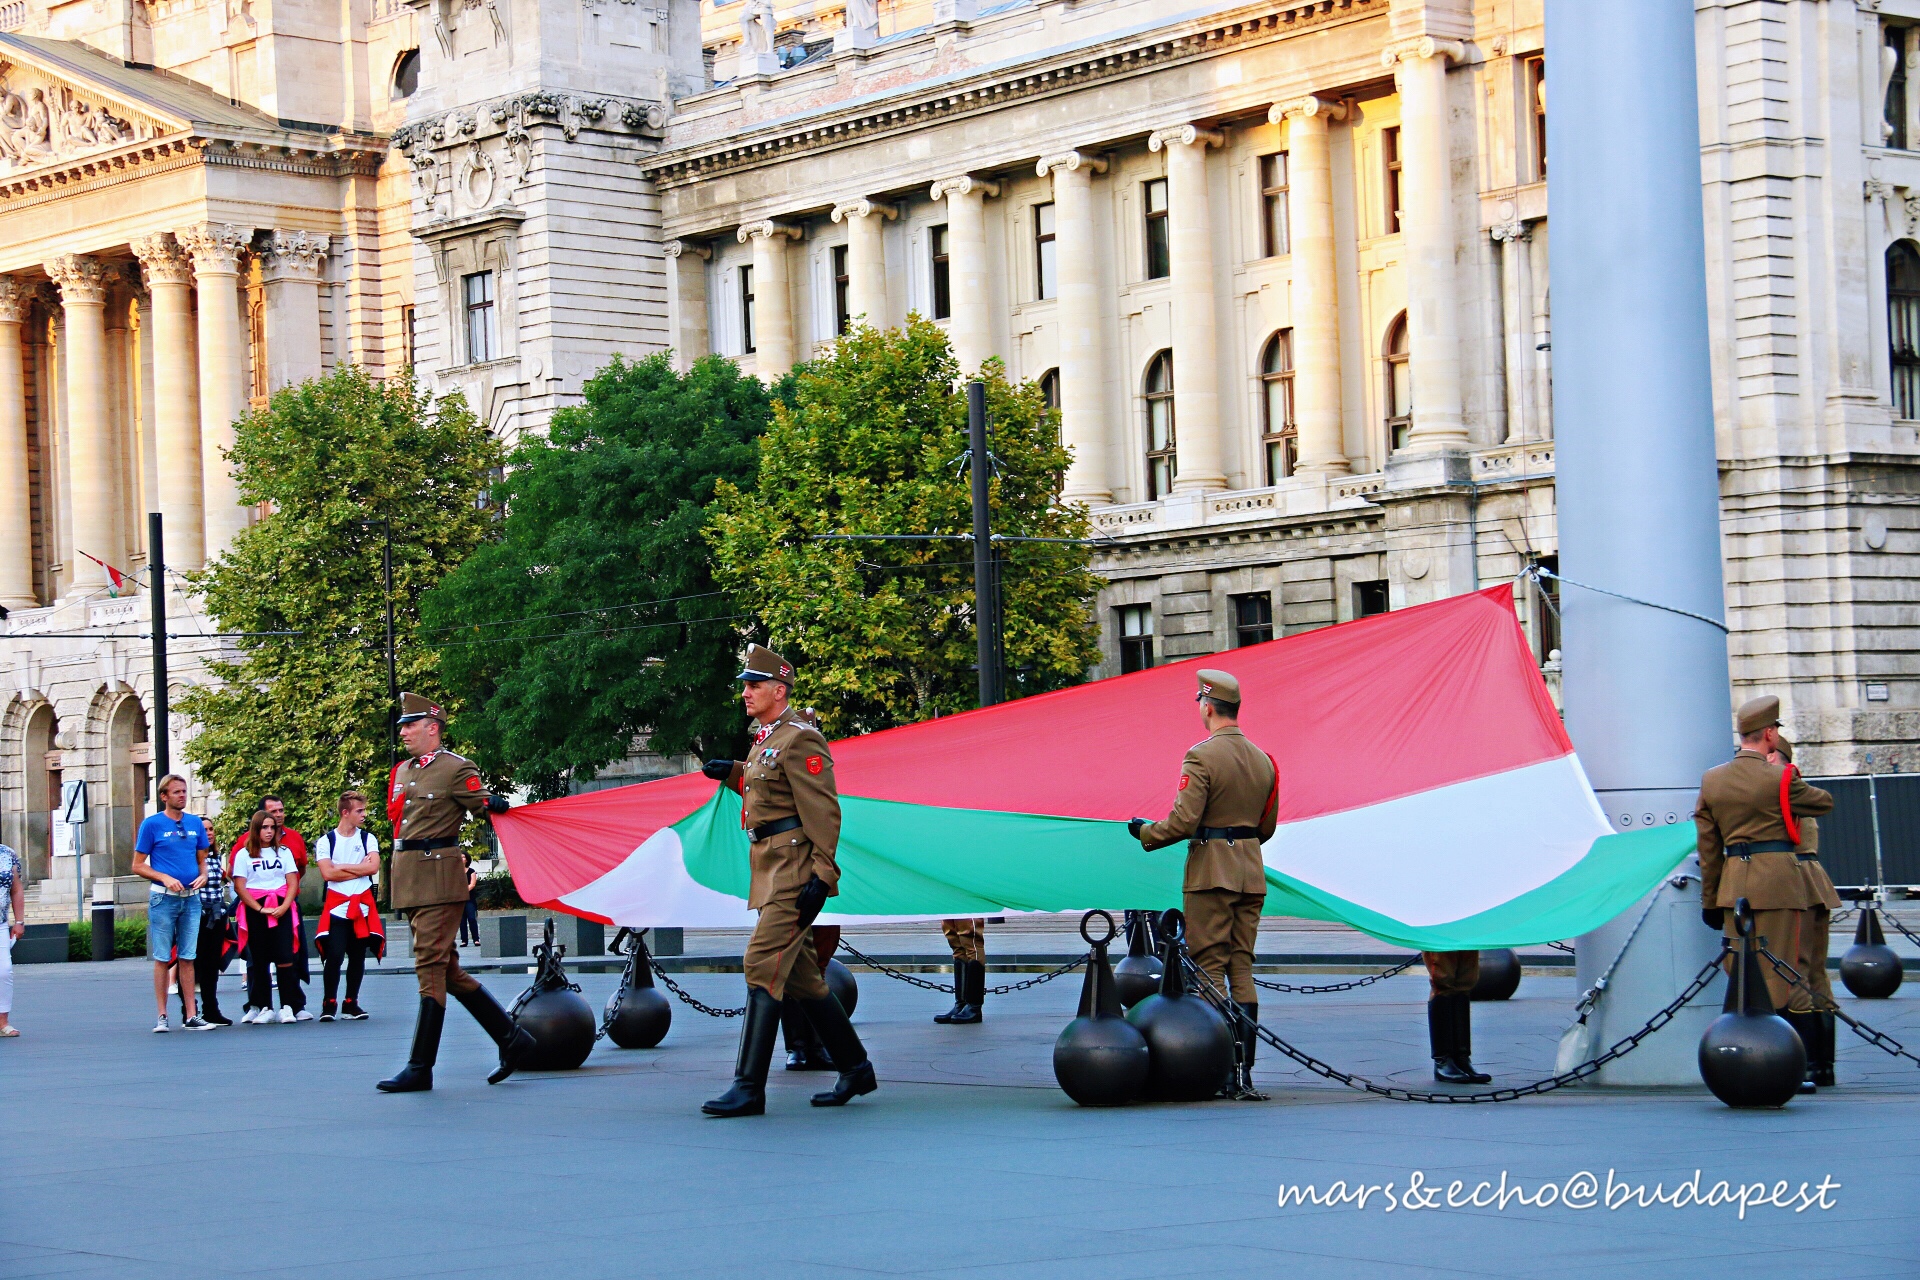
780	956
967	938
1816	934
436	960
1222	927
1784	932
1451	973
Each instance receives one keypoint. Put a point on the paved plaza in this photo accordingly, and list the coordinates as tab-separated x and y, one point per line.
267	1152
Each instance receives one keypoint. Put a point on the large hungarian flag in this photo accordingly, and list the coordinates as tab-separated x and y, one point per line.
1428	796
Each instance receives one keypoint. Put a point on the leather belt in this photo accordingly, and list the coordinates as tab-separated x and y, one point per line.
437	842
1205	834
768	829
1747	848
1806	857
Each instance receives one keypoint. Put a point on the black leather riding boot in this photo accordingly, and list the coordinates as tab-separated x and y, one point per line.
1823	1060
515	1041
1807	1027
417	1075
1440	1041
748	1096
1463	1039
966	1006
804	1050
1247	1037
849	1055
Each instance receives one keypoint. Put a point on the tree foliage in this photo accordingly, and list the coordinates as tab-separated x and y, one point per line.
306	716
595	623
870	438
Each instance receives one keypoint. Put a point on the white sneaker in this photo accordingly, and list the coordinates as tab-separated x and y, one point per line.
286	1015
302	1016
246	1017
160	1028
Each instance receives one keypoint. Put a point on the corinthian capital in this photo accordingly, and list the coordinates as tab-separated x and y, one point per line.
162	259
1307	106
767	229
81	279
1070	161
1422	47
216	246
1185	135
15	298
296	255
964	185
862	208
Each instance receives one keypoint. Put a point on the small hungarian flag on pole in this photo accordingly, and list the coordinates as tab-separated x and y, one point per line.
116	581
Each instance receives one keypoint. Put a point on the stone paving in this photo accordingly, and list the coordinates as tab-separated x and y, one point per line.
267	1152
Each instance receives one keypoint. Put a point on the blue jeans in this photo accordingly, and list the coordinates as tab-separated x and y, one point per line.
173	926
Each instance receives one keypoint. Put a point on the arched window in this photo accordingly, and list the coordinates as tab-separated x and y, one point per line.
1050	388
1399	384
1161	464
406	74
1279	434
1903	326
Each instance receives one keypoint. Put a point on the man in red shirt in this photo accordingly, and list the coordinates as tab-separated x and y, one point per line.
276	808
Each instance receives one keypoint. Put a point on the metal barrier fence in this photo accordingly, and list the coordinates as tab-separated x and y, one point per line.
1872	837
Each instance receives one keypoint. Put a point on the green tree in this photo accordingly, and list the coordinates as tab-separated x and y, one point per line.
306	716
870	439
594	623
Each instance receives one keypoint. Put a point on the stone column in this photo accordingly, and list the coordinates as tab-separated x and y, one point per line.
1082	377
1196	354
1516	305
216	251
687	301
118	375
176	397
866	259
1420	72
294	263
16	494
772	297
91	455
970	326
1315	310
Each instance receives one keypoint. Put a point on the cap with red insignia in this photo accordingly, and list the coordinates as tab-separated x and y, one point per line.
414	707
1220	685
764	664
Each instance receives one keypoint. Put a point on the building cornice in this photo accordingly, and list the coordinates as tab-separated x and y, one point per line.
357	156
992	88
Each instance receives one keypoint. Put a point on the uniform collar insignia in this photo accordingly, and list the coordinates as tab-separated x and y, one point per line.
423	761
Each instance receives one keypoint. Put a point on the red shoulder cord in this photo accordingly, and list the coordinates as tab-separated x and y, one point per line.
1273	799
1787	774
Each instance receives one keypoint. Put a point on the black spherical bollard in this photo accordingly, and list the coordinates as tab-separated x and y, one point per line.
1870	968
1499	975
1752	1060
1138	974
638	1013
556	1015
1190	1046
840	981
1100	1060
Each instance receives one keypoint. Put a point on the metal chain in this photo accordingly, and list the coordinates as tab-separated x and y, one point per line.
688	1000
626	980
945	988
1889	917
1561	946
1357	983
1232	1012
549	973
1878	1039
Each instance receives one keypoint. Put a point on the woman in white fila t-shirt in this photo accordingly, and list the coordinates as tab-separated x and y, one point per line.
267	879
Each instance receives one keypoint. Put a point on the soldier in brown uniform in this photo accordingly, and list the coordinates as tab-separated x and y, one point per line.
1815	939
1451	976
967	939
429	796
1748	843
791	809
1228	804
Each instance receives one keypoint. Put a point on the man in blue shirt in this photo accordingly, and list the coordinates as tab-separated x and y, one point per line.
171	850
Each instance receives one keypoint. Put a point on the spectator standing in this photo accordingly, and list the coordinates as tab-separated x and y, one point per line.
470	919
349	921
170	849
267	878
211	956
13	923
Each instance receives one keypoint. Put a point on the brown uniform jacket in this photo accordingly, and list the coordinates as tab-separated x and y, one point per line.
1740	802
1225	781
436	796
1809	855
789	775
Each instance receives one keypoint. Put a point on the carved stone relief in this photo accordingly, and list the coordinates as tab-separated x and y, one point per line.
43	121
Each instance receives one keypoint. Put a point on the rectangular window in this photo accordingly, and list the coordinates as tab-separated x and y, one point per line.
1895	107
1045	274
1252	619
1135	623
483	337
1369	598
942	282
1390	149
1273	205
1547	628
746	311
841	319
1159	256
408	342
1536	68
